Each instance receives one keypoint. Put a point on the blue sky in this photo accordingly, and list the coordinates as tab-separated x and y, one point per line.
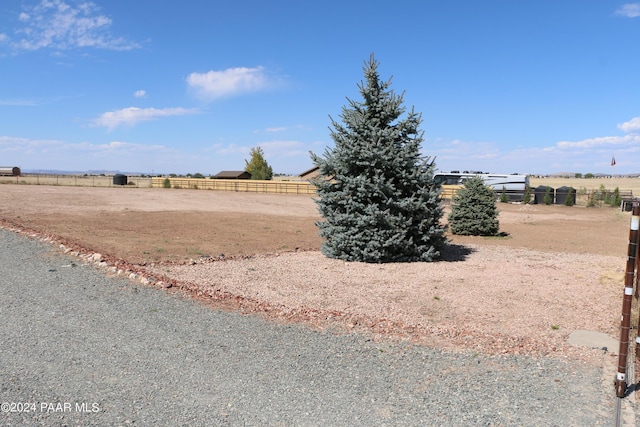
538	87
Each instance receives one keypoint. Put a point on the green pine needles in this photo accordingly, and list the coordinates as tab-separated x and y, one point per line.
473	210
376	192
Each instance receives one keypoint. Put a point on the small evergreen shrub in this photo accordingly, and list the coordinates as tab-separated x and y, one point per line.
602	194
166	183
548	198
503	196
527	195
614	199
473	210
570	200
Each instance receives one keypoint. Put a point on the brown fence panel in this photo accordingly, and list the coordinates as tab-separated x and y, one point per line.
239	185
74	180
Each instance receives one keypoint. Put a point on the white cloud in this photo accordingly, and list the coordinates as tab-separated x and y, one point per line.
600	142
226	149
54	24
629	10
283	148
140	94
587	155
118	147
132	115
232	81
10	144
19	102
631	126
26	145
114	155
277	129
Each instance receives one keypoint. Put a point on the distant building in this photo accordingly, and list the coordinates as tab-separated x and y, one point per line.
232	175
309	174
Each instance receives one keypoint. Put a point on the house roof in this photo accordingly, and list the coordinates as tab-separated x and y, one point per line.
310	171
232	174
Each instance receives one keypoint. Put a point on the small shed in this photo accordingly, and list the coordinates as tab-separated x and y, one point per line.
232	175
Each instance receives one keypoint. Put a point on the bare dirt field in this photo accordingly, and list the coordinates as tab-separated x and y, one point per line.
557	269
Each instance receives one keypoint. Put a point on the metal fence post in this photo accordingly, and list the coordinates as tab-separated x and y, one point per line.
621	376
635	306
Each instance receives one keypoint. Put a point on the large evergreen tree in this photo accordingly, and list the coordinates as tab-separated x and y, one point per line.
376	192
473	210
258	166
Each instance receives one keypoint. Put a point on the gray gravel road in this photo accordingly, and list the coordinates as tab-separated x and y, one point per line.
80	348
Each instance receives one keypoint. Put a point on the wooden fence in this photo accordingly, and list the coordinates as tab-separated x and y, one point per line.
74	180
584	196
240	185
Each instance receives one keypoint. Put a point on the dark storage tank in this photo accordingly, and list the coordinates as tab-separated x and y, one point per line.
119	179
627	205
540	191
563	193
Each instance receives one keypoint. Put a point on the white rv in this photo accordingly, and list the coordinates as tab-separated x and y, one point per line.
514	185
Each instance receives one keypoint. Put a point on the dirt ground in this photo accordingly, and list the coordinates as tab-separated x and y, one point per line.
556	269
145	225
159	225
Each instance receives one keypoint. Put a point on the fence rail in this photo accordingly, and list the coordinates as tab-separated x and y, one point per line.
583	196
240	185
73	180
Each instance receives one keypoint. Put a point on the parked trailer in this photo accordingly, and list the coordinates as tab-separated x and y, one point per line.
514	185
9	171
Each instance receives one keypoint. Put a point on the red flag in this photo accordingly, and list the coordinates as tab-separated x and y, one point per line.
613	161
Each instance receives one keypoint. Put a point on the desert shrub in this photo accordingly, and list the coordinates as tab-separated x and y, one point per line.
166	183
473	210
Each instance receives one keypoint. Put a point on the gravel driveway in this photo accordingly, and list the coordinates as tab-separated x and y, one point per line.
80	348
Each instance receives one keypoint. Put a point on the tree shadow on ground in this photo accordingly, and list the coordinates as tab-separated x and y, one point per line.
455	253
